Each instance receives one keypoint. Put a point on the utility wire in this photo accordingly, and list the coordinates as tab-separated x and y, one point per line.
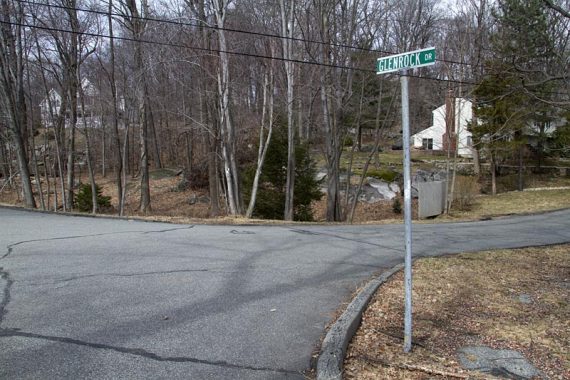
251	55
259	34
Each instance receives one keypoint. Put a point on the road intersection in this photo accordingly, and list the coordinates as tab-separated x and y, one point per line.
101	298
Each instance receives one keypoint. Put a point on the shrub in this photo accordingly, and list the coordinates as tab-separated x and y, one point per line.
466	188
270	201
348	141
84	199
397	206
198	177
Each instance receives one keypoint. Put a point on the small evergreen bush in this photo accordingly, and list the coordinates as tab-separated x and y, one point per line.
84	199
270	202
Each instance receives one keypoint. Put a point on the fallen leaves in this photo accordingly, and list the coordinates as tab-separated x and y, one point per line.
465	300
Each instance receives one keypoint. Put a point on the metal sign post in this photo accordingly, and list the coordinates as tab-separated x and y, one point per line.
407	213
403	62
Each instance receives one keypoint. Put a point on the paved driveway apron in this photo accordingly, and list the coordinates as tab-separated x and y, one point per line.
103	298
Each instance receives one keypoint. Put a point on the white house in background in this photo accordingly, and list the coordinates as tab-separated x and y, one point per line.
50	107
53	101
434	137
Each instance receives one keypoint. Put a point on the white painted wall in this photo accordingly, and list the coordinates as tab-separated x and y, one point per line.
463	115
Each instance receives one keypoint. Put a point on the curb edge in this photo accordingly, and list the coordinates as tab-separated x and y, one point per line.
333	349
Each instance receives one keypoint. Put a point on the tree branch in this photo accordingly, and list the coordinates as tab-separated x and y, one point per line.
557	8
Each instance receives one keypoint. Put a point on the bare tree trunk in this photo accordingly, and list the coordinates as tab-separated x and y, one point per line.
333	208
144	205
90	167
521	167
287	28
353	149
119	159
58	124
493	174
103	151
374	153
137	25
233	194
37	173
267	110
71	68
124	163
34	155
206	113
46	174
12	94
71	149
156	145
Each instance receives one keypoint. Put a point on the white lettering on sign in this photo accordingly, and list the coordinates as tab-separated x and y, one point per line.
418	58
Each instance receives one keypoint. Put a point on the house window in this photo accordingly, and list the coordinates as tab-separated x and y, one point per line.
469	141
427	144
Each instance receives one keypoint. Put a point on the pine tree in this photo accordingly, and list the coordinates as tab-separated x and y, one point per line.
517	76
271	193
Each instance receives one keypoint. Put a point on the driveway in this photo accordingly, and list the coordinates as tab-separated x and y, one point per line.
103	298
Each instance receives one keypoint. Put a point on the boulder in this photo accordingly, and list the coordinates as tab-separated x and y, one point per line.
375	190
504	363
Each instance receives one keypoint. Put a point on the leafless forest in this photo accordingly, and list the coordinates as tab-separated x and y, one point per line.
121	87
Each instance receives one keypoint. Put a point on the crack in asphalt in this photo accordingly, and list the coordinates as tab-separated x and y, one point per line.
11	246
141	352
5	276
167	230
236	232
74	278
305	232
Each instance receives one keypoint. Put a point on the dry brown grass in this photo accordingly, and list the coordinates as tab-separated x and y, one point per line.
469	299
174	206
515	202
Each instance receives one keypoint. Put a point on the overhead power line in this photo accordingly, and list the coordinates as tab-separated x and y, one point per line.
247	32
251	55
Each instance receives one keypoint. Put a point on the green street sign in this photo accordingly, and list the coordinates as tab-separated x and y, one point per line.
409	60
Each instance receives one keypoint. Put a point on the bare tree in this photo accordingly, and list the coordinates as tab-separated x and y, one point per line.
233	195
266	114
287	29
12	96
136	24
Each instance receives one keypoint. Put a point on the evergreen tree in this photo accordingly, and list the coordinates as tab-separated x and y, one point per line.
518	75
271	193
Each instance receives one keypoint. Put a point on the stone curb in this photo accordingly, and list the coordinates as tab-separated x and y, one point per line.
333	349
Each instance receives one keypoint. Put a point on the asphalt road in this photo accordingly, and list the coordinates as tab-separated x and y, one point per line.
103	298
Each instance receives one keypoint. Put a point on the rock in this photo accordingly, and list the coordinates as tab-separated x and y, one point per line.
525	298
320	175
384	189
368	194
376	190
193	199
504	363
395	187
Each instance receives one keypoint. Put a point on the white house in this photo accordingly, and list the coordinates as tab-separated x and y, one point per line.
53	101
50	107
434	137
